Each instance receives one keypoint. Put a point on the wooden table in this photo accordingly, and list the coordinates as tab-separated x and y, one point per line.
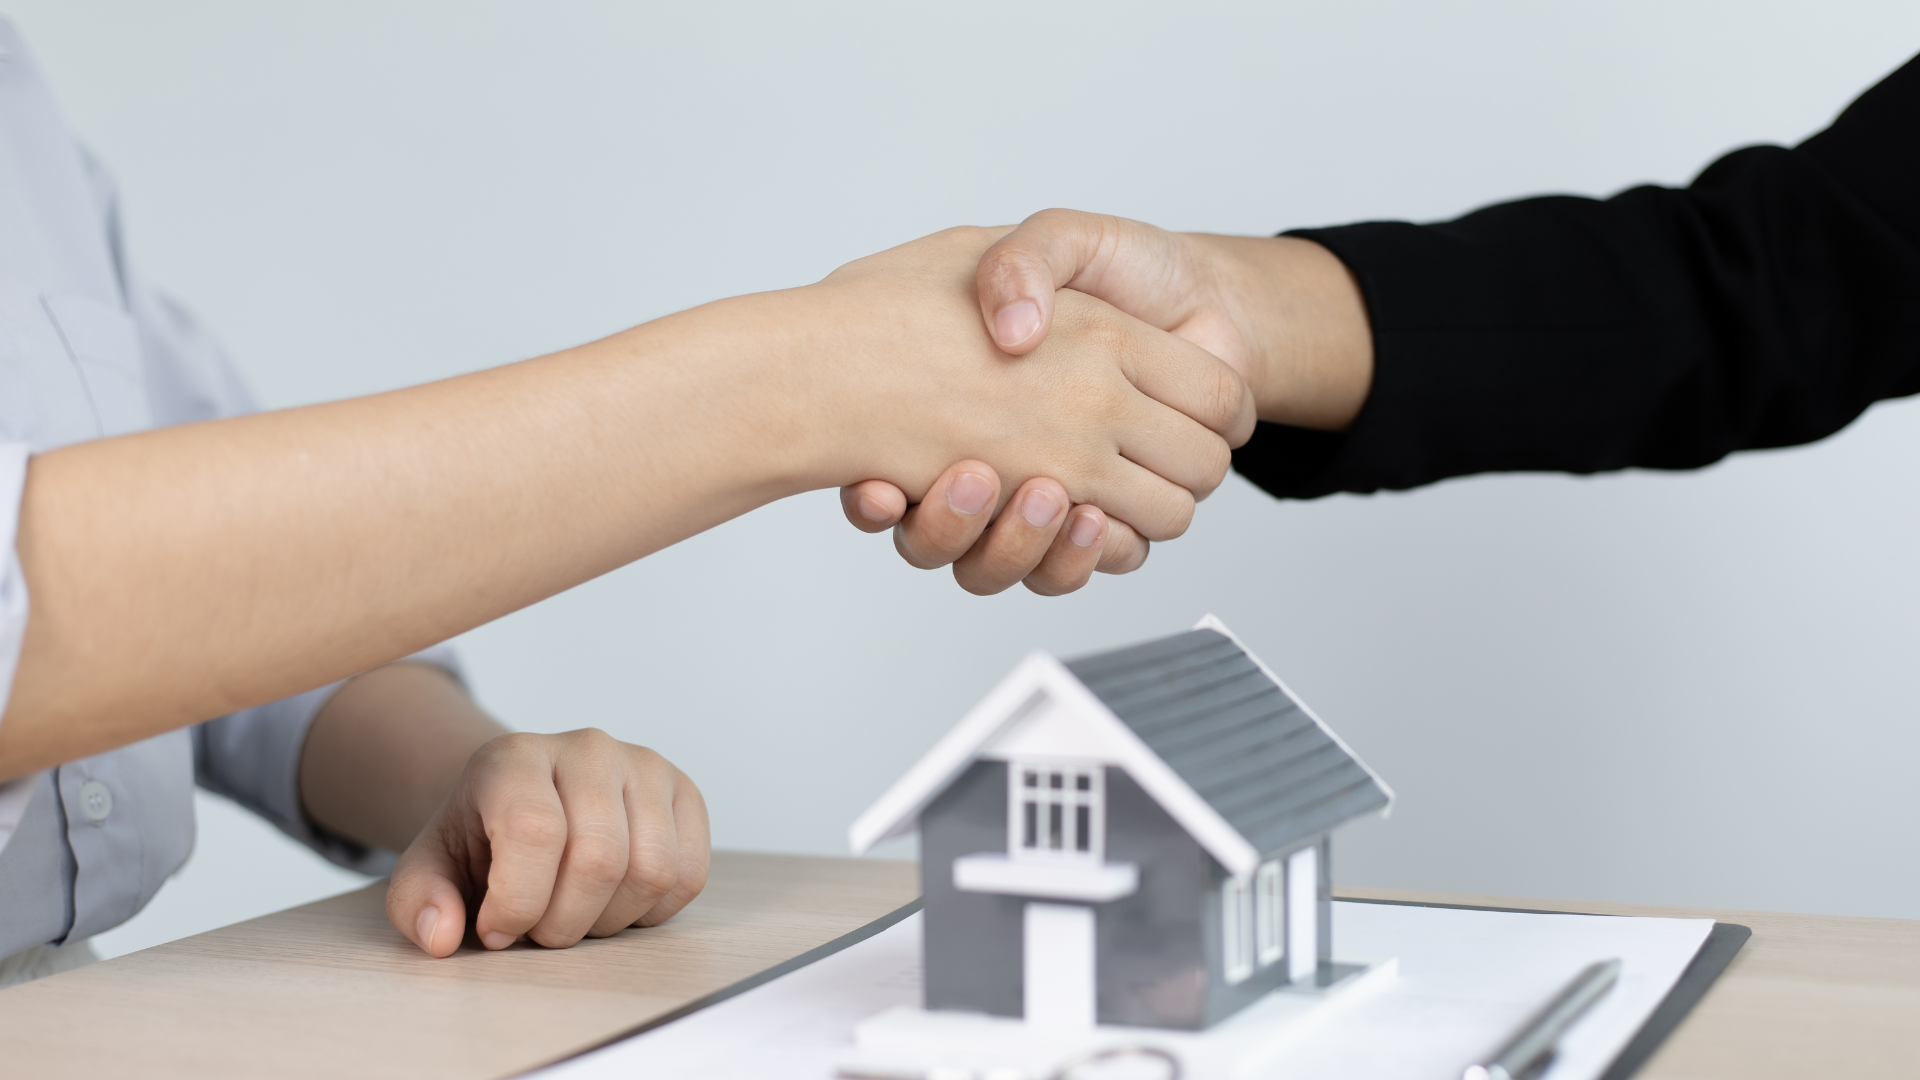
329	989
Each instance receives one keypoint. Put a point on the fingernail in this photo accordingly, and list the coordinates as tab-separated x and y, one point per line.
1085	531
494	939
424	926
872	510
1016	322
968	494
1039	508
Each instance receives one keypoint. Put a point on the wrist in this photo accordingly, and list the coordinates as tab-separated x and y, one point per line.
1310	355
758	384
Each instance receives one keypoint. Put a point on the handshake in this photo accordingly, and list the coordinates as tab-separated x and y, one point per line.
1126	363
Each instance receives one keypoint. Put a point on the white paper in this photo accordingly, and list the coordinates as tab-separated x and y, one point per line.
1467	980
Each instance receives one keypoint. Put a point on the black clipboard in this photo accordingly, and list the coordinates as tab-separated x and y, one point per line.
1723	942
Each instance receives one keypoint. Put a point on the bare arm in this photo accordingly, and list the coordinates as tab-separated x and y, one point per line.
181	574
384	752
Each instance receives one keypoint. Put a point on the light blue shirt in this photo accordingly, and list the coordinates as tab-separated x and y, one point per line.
87	351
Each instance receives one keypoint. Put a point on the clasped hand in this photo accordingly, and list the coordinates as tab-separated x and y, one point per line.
1282	313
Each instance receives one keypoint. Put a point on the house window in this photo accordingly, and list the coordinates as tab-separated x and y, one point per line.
1056	810
1269	913
1236	930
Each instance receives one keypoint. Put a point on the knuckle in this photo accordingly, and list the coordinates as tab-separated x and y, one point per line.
1125	555
1058	221
692	880
548	938
524	823
1043	582
1217	461
593	740
1224	399
652	871
507	909
598	859
913	548
972	577
1173	517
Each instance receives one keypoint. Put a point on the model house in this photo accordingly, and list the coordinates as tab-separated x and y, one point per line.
1137	837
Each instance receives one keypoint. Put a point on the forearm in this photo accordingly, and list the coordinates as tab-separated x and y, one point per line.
185	573
1310	363
1767	304
386	749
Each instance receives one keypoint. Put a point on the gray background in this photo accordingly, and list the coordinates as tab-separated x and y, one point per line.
1675	688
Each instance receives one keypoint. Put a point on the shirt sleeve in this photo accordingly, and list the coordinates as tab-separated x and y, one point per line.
1767	304
14	794
253	758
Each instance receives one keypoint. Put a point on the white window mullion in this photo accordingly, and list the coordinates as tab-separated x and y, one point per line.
1269	914
1303	914
1236	930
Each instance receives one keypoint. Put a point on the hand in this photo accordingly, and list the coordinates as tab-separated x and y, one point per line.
1052	552
1283	312
555	837
1122	416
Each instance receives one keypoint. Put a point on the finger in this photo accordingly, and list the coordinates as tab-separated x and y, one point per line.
947	522
873	505
1125	550
1174	448
1017	277
653	845
590	781
1129	264
1154	275
526	830
693	838
1018	539
424	900
1069	563
1192	381
1157	508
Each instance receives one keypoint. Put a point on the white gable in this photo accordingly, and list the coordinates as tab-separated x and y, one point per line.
1040	710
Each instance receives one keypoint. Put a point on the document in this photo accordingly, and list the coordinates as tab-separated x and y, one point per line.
1467	979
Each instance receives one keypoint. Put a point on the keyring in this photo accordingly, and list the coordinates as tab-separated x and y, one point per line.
1113	1053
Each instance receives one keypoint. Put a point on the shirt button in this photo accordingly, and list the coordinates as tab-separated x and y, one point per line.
95	801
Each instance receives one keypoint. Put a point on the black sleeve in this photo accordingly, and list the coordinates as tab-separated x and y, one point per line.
1767	304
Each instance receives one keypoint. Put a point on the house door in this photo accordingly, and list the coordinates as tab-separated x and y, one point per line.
1059	965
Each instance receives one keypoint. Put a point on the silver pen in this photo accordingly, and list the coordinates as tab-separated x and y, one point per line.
1538	1036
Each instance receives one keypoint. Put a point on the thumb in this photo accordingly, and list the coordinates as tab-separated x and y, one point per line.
424	900
1128	264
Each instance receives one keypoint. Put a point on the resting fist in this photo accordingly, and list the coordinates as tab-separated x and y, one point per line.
553	838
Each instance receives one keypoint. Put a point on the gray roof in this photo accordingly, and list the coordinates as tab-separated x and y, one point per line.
1234	735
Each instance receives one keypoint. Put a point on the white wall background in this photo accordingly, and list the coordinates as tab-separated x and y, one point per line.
1673	688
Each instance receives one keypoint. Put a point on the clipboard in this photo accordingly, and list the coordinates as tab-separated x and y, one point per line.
1722	942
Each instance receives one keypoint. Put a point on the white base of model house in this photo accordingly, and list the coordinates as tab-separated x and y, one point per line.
904	1041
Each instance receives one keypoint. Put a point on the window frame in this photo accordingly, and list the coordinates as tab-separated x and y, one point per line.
1269	914
1082	811
1236	930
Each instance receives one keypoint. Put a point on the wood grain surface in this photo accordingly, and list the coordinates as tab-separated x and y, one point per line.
329	989
1808	996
